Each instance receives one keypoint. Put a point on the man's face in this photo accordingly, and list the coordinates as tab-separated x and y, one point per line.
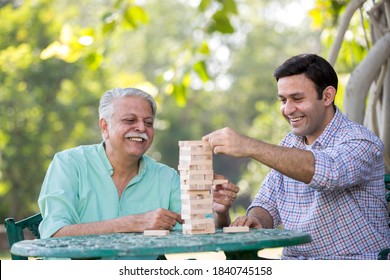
132	118
300	106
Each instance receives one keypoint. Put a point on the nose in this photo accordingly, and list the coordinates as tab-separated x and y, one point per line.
288	107
140	126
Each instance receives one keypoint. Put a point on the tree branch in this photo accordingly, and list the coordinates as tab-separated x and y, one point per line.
343	26
362	77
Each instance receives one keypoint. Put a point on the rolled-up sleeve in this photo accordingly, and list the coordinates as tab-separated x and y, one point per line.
58	196
348	164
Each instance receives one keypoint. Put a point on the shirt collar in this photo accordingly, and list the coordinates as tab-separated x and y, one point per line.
110	168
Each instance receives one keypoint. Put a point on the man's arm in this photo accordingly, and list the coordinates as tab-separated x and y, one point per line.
157	219
223	198
294	163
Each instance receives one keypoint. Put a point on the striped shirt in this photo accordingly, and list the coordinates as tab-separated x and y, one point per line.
343	208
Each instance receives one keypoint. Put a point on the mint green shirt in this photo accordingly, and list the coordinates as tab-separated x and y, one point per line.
78	188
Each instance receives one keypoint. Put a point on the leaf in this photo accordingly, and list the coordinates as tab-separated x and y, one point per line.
134	16
204	48
201	70
203	5
108	27
180	94
229	6
94	60
221	23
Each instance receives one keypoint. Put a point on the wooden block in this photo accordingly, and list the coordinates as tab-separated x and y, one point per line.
192	157
196	172
193	143
194	195
191	211
192	167
196	183
156	232
199	226
206	221
197	177
206	202
220	181
198	206
201	164
195	187
193	152
193	216
198	231
235	229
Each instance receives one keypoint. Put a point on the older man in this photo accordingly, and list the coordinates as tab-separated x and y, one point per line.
113	186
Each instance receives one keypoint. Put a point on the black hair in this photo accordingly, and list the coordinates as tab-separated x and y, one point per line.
314	67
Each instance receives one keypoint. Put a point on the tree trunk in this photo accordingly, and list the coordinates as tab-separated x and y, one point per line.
362	78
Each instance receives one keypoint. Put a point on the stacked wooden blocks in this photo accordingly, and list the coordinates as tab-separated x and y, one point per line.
196	181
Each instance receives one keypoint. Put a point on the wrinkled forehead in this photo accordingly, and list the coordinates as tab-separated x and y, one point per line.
132	105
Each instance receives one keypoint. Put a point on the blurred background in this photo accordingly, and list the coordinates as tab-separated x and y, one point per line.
208	63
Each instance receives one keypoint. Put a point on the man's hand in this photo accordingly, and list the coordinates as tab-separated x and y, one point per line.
157	219
223	198
251	222
223	195
227	141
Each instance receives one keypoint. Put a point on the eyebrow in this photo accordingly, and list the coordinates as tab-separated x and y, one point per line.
295	94
129	115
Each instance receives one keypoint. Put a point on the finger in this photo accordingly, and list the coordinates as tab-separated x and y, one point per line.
206	137
219	176
179	219
165	226
172	220
227	203
237	222
243	222
231	187
226	192
223	193
171	214
218	150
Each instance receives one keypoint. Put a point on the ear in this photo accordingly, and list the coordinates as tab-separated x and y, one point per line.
329	95
104	128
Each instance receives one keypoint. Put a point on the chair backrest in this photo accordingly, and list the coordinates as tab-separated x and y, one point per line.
384	253
15	230
387	186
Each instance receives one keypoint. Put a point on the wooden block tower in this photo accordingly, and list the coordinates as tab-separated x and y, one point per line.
196	181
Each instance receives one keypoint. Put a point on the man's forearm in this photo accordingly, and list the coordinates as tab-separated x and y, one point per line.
222	220
294	163
109	226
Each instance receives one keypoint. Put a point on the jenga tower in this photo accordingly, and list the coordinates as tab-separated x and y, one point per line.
196	180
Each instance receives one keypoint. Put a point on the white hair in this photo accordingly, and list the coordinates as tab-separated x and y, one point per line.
106	106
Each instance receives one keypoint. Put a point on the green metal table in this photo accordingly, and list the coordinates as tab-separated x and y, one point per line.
243	245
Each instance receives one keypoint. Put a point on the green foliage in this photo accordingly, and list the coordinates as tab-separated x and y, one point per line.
326	16
270	125
208	66
44	104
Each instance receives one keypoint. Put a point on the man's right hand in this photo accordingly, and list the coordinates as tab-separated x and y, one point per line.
251	222
158	219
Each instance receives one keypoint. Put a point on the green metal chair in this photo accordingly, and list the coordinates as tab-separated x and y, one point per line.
15	230
384	253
